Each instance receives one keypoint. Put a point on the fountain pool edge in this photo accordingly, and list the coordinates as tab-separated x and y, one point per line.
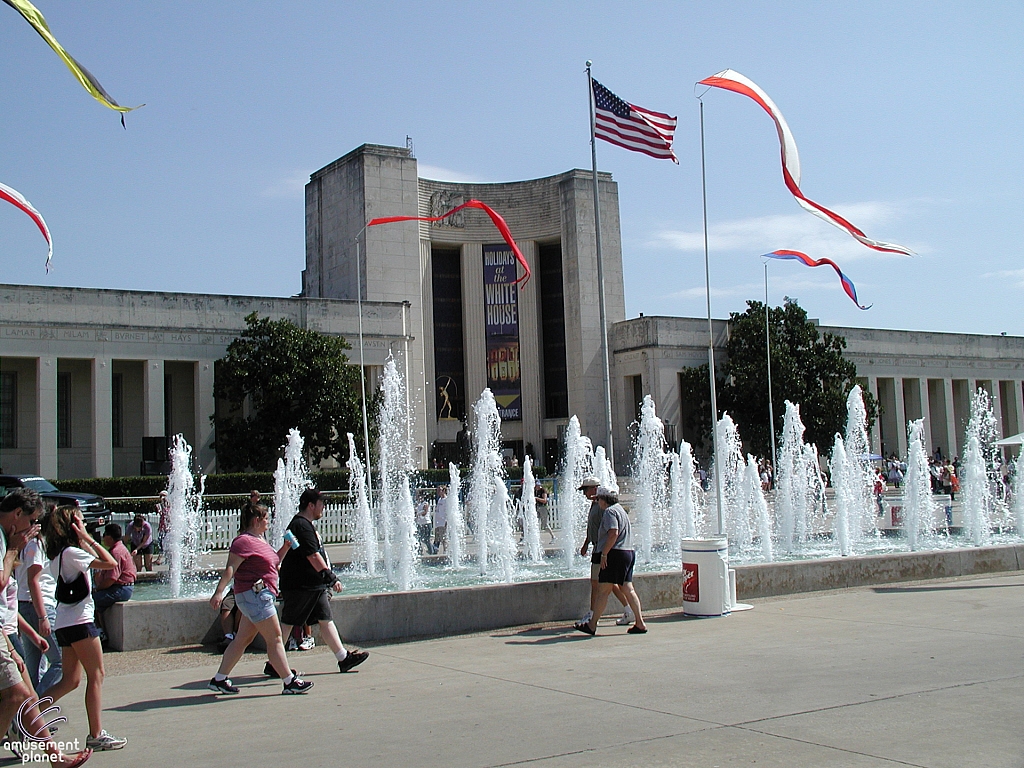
405	615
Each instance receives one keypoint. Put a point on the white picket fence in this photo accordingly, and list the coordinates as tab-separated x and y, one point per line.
337	526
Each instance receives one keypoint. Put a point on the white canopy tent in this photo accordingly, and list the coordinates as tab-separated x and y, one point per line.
1017	439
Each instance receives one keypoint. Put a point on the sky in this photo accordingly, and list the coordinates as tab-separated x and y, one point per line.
908	117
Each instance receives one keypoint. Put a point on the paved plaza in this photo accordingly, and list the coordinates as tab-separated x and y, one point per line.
921	674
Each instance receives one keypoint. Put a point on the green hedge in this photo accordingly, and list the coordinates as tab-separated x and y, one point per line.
242	482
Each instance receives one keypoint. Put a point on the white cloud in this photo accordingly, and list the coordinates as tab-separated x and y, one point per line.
779	286
437	173
1014	275
291	186
796	231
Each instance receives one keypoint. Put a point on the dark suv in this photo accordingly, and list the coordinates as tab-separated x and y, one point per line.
94	508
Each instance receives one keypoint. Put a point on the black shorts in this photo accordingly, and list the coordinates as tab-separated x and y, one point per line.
68	635
620	567
146	550
305	606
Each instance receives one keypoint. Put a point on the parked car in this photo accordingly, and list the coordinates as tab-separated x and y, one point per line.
94	508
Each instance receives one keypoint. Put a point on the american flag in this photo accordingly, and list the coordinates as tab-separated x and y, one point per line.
632	127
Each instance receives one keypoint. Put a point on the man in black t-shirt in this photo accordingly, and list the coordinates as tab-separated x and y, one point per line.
306	577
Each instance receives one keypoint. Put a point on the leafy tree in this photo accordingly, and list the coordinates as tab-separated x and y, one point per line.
808	368
276	376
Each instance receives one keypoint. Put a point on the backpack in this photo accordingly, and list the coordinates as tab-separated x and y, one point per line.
71	592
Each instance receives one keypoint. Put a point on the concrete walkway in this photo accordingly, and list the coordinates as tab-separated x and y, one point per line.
922	674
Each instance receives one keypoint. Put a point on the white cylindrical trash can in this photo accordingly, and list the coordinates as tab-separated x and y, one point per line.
706	577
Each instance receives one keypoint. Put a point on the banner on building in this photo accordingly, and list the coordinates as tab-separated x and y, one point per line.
501	319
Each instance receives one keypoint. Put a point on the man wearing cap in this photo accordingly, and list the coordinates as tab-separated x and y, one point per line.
306	577
615	566
594	516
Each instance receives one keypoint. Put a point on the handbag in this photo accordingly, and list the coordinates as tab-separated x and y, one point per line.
70	592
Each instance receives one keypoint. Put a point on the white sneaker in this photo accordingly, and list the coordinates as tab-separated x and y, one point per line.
587	617
291	645
307	644
626	618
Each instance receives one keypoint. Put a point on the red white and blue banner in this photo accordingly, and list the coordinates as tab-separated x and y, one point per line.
501	330
803	258
734	81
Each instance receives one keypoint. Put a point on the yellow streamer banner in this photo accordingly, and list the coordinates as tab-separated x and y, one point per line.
90	83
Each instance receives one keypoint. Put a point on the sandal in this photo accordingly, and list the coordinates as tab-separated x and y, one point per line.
635	630
585	628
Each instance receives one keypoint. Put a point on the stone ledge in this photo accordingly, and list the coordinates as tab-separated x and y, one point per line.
404	615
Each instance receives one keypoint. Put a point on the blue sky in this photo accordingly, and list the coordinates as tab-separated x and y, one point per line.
908	117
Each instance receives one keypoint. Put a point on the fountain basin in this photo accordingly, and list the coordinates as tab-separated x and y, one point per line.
425	613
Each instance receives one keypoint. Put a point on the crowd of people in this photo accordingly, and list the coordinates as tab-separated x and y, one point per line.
50	604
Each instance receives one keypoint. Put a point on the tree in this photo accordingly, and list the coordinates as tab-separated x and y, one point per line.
808	368
276	376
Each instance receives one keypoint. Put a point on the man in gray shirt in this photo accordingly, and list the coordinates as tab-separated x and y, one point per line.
594	517
616	563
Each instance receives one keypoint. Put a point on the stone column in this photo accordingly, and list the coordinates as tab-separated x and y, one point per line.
1018	404
926	414
901	417
204	408
102	418
954	448
876	432
153	398
997	407
46	418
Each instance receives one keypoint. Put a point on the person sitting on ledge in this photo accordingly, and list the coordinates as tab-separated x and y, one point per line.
116	585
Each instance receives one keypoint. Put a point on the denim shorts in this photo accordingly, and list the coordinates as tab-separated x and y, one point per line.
256	606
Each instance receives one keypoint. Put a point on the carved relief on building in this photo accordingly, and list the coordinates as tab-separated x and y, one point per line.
443	201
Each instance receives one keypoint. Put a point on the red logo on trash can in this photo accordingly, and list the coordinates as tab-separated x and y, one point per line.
691	584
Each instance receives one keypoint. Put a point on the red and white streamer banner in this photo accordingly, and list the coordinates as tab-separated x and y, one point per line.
499	222
15	198
734	81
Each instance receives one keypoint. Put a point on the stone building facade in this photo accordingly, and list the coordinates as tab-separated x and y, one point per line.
86	375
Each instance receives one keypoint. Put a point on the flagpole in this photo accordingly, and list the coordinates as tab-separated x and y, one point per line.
362	375
605	368
711	334
768	346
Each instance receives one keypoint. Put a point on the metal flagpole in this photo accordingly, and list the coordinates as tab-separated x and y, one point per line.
605	370
362	375
768	346
711	334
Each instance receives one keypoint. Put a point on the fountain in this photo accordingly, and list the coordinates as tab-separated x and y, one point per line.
528	510
686	492
185	516
401	560
604	471
488	504
977	470
456	522
757	508
1018	492
918	505
845	482
730	464
649	478
291	478
860	478
793	483
573	505
367	550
